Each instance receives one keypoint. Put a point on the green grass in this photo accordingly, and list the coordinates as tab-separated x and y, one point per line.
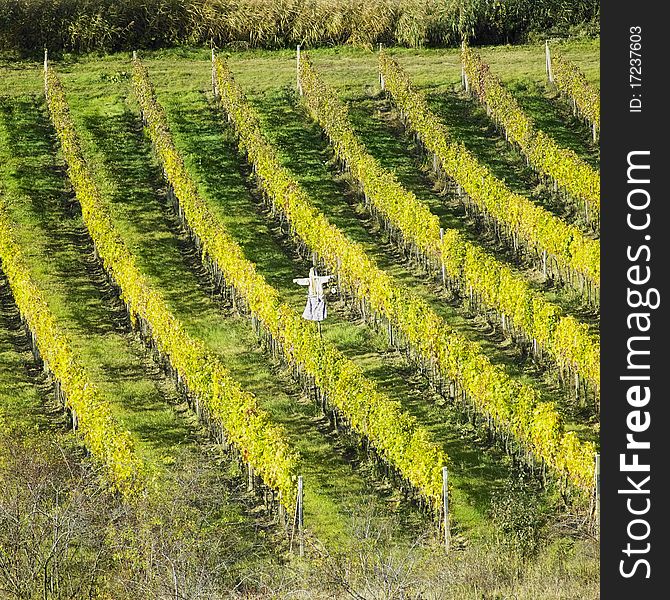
338	479
307	154
60	258
383	134
220	173
130	179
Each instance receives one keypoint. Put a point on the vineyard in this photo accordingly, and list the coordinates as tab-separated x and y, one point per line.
435	436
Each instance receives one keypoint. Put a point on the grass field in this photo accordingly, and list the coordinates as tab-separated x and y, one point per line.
512	537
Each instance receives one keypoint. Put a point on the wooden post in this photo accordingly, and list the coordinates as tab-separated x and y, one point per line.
301	532
382	83
339	267
444	273
547	59
597	484
445	503
281	512
46	67
297	68
214	74
464	76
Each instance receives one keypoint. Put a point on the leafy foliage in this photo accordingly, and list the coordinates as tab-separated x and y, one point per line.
509	404
565	339
517	512
562	165
98	25
571	81
392	432
519	217
261	443
102	435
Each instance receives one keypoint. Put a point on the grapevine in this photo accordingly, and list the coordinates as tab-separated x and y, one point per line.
391	432
102	434
522	310
262	444
548	237
563	166
571	81
507	404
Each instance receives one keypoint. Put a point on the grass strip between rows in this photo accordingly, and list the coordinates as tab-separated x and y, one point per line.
261	444
508	405
469	267
395	435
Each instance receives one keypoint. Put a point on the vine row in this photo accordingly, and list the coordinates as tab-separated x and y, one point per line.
218	398
509	406
561	165
391	433
570	80
558	246
91	414
466	267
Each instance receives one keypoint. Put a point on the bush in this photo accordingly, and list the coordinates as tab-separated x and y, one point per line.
111	25
50	521
518	512
63	536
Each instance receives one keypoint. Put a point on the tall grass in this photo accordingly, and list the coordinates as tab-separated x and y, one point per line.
109	25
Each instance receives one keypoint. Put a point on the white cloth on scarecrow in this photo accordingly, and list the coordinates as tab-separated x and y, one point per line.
315	309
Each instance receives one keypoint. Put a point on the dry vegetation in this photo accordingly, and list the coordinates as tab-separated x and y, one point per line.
107	25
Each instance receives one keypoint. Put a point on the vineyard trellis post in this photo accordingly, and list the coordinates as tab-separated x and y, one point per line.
444	272
213	71
464	75
46	67
382	83
445	507
597	490
547	61
297	69
298	521
301	530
